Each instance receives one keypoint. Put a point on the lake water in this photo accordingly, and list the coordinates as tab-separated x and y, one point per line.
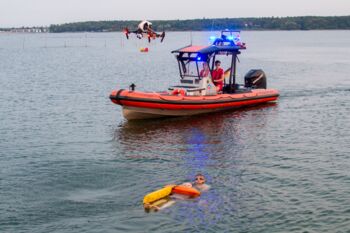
69	162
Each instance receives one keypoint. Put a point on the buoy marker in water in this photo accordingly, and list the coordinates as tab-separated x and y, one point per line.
144	50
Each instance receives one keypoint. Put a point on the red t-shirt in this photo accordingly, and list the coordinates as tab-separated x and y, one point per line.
216	75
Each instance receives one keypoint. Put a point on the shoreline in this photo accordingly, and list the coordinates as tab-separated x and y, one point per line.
302	23
267	30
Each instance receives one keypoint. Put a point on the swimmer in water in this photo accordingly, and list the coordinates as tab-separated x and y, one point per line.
166	202
199	183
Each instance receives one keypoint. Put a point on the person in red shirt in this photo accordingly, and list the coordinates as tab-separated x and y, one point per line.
218	76
205	71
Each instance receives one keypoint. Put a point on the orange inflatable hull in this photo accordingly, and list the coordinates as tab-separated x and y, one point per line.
141	105
183	190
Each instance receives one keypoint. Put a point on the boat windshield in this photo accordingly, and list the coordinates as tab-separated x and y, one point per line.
196	69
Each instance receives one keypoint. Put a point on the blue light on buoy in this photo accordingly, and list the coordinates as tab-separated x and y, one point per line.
199	58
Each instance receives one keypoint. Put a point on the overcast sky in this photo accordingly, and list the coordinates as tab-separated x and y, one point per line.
16	13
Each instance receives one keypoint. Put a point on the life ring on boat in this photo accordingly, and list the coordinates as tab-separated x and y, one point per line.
184	190
178	92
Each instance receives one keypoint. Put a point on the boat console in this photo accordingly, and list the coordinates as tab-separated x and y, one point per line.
195	87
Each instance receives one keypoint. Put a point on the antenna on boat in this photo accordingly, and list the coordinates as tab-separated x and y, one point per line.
211	30
191	36
212	25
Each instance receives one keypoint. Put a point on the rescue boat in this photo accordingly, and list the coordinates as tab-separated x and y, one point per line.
196	93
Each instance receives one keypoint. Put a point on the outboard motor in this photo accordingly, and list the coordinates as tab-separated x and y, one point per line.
255	79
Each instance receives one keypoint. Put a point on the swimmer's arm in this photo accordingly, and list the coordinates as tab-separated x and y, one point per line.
206	187
166	205
149	206
155	207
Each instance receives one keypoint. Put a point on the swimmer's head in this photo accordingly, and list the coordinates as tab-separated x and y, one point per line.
200	179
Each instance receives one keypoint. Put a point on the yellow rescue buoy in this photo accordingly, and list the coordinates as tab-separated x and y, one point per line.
158	194
144	50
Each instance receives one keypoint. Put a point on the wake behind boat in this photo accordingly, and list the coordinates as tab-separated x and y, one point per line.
204	87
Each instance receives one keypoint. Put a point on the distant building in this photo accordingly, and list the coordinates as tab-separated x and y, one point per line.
30	30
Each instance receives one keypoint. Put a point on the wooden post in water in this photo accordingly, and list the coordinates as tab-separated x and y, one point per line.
121	41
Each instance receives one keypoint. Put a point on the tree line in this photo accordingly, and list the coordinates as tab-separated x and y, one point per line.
266	23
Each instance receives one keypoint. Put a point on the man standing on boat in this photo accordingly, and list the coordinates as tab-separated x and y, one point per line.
218	76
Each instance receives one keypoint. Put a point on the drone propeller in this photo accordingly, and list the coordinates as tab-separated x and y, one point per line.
126	32
162	36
